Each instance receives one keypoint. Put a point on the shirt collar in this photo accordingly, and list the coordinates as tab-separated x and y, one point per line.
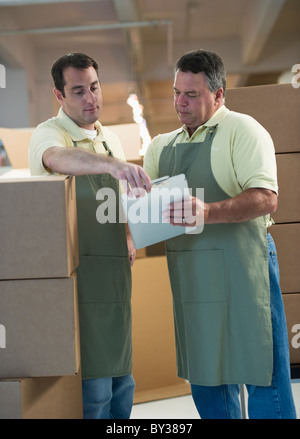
214	120
73	129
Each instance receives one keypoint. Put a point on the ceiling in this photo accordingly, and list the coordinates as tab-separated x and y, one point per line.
137	42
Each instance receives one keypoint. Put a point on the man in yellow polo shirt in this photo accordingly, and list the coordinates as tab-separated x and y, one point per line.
75	143
228	312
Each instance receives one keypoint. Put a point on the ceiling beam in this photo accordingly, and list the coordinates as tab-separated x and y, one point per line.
9	3
84	28
126	10
260	18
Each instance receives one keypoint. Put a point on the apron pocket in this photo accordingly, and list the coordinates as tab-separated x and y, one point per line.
104	279
198	276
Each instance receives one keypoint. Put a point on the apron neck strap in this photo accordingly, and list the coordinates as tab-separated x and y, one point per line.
173	140
209	135
106	147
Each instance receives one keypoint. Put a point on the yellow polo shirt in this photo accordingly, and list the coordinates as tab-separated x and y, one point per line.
242	153
62	131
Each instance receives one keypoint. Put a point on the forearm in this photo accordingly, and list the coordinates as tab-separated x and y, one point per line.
77	161
250	204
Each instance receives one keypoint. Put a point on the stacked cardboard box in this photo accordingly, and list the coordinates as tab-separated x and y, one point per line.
39	329
277	108
16	146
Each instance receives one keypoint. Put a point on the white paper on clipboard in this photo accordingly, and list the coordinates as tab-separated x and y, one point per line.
144	214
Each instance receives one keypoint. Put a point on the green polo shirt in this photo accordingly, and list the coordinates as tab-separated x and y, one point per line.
62	131
242	153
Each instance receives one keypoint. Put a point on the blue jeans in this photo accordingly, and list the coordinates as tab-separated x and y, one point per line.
272	402
108	398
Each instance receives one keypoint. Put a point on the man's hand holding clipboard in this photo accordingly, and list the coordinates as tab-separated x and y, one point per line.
147	223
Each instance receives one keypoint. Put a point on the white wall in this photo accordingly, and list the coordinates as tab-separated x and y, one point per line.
14	100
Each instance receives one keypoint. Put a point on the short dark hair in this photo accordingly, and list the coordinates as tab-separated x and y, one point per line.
207	62
79	61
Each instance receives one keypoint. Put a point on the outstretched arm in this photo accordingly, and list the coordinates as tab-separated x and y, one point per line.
77	161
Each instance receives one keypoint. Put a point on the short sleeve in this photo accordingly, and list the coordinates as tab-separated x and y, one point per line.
43	138
151	159
253	157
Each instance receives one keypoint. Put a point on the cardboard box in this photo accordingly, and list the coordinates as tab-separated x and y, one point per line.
16	144
288	171
154	357
286	238
4	169
41	398
276	107
38	227
129	134
10	172
39	328
292	307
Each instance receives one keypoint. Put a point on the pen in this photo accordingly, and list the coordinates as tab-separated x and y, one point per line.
159	180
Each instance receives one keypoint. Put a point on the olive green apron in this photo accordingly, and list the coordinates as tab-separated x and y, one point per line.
104	285
220	285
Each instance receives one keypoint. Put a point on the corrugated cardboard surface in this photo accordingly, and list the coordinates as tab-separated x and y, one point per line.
38	224
287	240
129	134
154	359
16	144
288	170
276	107
39	328
41	398
292	307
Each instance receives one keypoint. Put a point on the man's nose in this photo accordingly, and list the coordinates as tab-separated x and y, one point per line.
181	100
90	96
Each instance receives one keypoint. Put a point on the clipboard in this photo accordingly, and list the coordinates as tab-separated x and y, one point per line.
144	214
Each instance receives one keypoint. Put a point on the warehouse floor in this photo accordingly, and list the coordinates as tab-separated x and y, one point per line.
183	407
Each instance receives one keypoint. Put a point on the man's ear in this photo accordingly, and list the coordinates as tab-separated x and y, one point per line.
219	95
59	95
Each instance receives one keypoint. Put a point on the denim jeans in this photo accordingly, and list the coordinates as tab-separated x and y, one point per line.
108	398
271	402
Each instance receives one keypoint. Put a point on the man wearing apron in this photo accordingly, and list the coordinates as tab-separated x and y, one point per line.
75	143
229	319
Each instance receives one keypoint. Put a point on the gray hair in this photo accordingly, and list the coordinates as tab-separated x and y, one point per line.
207	62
